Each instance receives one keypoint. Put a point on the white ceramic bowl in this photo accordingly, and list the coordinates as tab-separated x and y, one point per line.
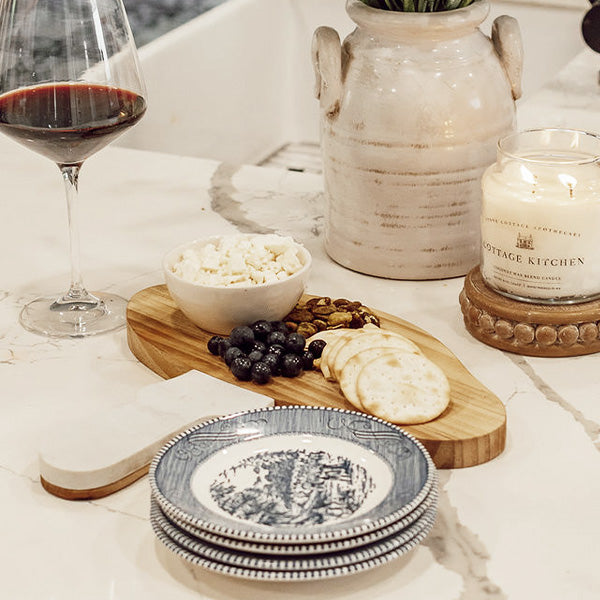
218	309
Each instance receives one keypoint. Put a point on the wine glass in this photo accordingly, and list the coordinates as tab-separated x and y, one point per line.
70	83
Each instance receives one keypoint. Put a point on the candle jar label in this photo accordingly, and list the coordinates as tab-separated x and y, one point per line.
541	217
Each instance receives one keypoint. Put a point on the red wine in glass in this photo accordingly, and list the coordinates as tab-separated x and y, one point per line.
68	122
70	83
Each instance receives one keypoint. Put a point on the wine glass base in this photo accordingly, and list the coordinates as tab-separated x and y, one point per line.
64	317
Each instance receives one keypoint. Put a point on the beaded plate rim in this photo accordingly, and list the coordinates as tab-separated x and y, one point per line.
307	549
289	562
294	575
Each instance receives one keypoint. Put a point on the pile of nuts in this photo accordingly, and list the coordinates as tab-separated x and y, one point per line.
320	313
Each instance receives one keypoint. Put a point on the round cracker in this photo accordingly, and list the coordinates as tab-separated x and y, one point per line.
340	345
403	388
368	340
353	367
330	350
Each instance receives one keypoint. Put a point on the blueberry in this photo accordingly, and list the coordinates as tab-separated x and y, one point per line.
260	372
295	343
255	356
261	329
307	360
291	365
240	367
272	360
276	337
259	346
231	354
224	345
316	347
241	336
280	326
213	344
278	349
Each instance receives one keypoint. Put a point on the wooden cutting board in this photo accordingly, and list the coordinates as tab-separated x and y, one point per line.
471	431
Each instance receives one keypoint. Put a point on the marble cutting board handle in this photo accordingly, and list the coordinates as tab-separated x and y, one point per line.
103	453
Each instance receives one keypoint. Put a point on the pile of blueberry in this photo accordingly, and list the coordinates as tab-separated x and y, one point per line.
265	349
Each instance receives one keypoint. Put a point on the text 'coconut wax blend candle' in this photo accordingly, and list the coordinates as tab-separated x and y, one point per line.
540	220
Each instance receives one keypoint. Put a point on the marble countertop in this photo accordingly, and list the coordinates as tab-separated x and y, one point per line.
522	526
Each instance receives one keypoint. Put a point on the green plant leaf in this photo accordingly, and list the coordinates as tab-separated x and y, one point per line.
418	5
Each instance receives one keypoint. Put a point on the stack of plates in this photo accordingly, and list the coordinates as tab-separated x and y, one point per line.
292	493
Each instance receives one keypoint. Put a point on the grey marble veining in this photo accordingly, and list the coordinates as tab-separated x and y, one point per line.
221	193
459	549
151	18
589	426
148	19
299	214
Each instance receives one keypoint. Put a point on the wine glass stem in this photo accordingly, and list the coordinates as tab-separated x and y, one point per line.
70	175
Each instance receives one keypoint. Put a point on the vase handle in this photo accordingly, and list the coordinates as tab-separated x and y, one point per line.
327	64
506	37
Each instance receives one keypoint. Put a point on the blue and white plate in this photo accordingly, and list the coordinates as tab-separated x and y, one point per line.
404	539
341	545
292	474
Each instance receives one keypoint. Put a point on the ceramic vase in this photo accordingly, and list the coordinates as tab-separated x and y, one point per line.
412	107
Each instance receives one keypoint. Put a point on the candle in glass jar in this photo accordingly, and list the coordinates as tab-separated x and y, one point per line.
540	219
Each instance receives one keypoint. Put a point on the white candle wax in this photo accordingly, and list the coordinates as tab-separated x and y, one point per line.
540	223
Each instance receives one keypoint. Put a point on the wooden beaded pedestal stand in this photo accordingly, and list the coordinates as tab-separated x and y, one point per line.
526	328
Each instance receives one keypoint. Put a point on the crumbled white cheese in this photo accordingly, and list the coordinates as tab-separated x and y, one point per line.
239	260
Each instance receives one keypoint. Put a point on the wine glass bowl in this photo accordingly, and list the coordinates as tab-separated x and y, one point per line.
70	83
68	122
